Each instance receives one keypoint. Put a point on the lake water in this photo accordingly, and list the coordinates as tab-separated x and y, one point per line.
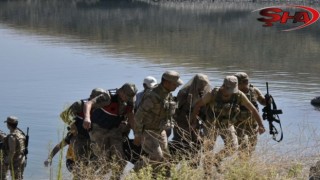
53	53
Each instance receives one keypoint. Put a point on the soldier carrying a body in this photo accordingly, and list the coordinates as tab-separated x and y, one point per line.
246	125
153	117
223	108
111	119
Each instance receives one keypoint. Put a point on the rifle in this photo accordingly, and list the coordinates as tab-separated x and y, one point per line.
26	146
272	115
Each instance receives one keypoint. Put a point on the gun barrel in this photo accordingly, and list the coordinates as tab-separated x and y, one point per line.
276	111
27	138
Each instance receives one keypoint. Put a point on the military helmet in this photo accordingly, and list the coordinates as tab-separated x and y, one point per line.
242	76
172	76
231	84
12	120
129	89
96	92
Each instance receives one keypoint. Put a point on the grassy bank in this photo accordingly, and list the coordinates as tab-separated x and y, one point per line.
290	159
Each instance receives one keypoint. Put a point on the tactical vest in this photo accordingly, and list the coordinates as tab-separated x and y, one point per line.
112	115
245	113
147	91
224	111
161	115
20	142
253	98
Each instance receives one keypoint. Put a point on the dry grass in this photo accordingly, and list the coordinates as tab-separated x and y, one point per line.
290	159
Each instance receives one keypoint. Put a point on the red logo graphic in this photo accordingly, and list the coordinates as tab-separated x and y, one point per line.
276	14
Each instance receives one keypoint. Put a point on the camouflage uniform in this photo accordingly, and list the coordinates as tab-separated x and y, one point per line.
110	122
73	116
183	136
221	116
153	117
80	139
246	125
3	167
14	150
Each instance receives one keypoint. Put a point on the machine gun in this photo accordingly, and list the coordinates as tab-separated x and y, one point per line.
271	113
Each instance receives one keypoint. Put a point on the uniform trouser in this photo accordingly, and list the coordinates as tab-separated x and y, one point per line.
3	167
82	154
227	132
247	127
81	148
108	144
16	168
155	144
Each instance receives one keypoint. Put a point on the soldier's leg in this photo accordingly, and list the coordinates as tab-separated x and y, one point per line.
160	156
163	141
229	138
98	140
252	133
23	165
211	132
100	145
177	145
3	170
241	128
116	152
18	168
82	150
151	145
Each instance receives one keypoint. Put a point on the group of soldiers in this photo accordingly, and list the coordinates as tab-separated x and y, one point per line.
99	125
198	114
